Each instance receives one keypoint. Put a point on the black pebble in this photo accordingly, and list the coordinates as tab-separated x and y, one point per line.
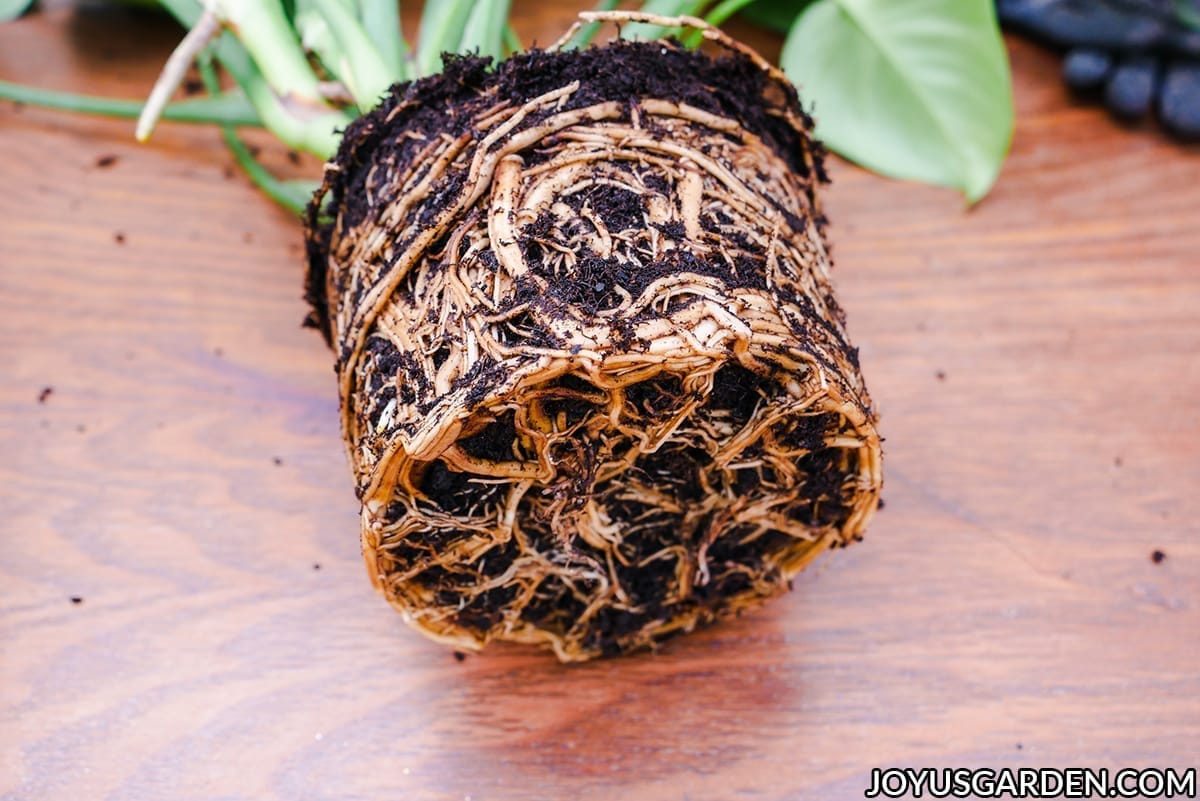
459	656
77	600
1102	24
1157	557
1130	91
1179	101
1085	69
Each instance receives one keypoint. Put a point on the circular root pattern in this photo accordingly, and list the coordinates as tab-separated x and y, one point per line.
596	388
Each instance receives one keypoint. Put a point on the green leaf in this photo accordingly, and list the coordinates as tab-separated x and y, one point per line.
912	89
11	9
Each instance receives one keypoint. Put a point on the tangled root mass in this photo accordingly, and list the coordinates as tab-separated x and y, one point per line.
596	388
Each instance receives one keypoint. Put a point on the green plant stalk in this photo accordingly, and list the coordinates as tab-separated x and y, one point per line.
716	16
484	32
442	25
512	42
777	15
264	30
299	125
646	32
228	108
381	19
292	195
360	66
584	36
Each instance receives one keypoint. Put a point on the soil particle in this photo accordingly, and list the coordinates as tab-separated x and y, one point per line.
106	161
1158	557
119	238
45	394
77	599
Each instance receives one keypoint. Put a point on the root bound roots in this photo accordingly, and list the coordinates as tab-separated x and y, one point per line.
596	388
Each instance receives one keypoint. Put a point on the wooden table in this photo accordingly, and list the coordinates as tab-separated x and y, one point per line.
185	614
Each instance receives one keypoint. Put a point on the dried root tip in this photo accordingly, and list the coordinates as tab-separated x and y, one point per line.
596	388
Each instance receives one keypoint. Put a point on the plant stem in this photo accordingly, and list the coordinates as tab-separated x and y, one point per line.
300	124
442	26
292	195
264	30
484	31
229	108
358	63
723	11
664	8
584	36
512	42
175	70
381	19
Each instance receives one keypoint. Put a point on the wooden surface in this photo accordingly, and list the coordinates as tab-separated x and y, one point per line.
1036	362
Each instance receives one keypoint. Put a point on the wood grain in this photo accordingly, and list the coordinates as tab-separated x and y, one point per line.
1035	360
